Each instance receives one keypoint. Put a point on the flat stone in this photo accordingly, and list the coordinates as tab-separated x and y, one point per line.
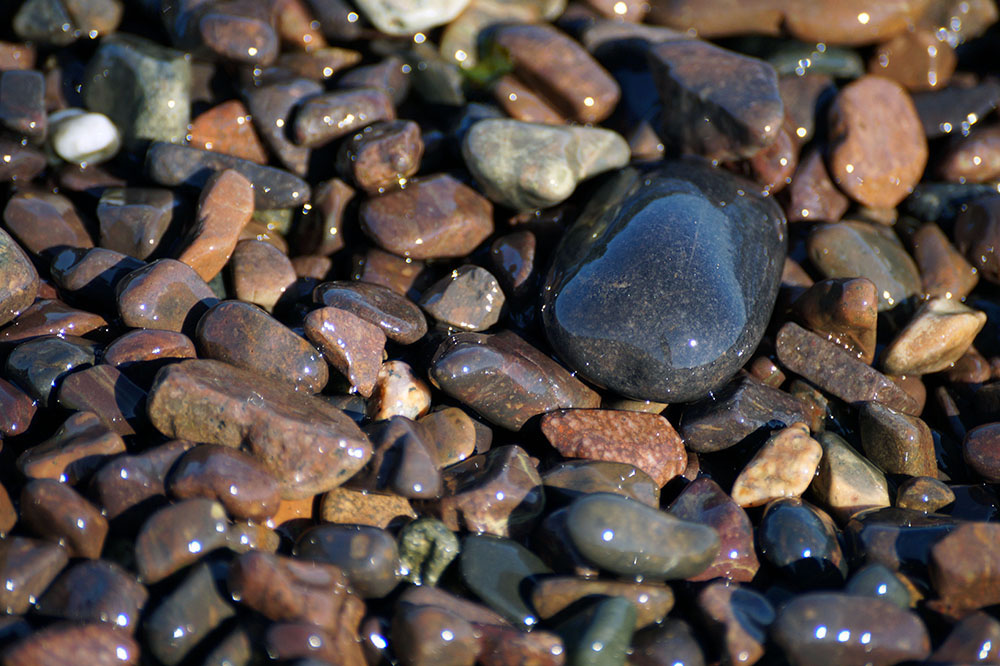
550	596
631	539
37	366
468	299
227	128
974	158
398	317
800	541
878	148
133	481
84	139
272	108
896	442
560	70
569	480
262	274
238	481
179	535
140	353
505	379
828	627
838	371
89	277
310	445
27	566
924	493
18	279
224	208
390	75
245	336
56	512
525	166
382	156
399	274
845	310
105	391
141	86
165	294
976	229
783	467
50	317
497	570
171	165
45	222
402	460
738	96
323	118
648	441
435	217
514	261
704	502
846	482
398	392
938	335
94	643
622	253
95	591
943	269
917	60
81	445
367	555
725	417
353	346
134	219
963	569
238	31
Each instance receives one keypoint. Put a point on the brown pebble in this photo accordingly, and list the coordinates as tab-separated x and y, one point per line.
844	310
50	317
16	409
226	128
924	493
27	567
329	116
468	299
165	294
361	507
398	392
318	230
79	447
44	222
104	390
981	450
977	236
937	336
783	467
896	442
850	22
397	273
943	270
261	273
918	60
965	569
353	346
224	208
179	535
382	156
552	595
812	196
56	512
238	481
97	644
18	279
398	317
130	480
524	104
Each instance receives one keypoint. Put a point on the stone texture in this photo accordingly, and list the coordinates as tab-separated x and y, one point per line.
802	544
897	443
811	193
38	365
16	409
18	279
976	233
50	317
272	108
430	635
262	274
310	445
28	566
323	118
971	158
166	294
399	17
95	643
367	555
185	617
851	23
351	345
572	479
45	222
57	513
943	270
737	617
88	277
102	389
239	482
224	208
382	156
846	482
551	596
469	299
398	392
129	481
938	335
981	450
81	445
783	467
924	493
963	569
226	128
845	310
497	570
917	60
22	110
95	591
178	535
133	220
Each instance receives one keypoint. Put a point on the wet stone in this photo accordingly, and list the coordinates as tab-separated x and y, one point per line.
179	535
25	162
514	263
224	208
704	502
727	416
361	507
737	617
846	482
737	95
37	366
245	336
783	467
812	195
104	390
955	108
262	274
88	277
648	441
837	371
16	409
50	317
937	336
918	60
435	217
632	539
560	70
141	86
130	480
95	591
428	635
286	641
672	642
498	492
526	166
426	548
828	627
83	139
351	345
600	634
971	159
166	294
237	31
615	257
81	445
398	317
185	617
497	571
878	582
896	442
981	450
976	233
972	640
452	433
505	646
944	271
368	556
398	392
551	596
171	165
226	128
382	156
898	538
403	461
98	643
469	299
22	110
964	568
140	353
505	379
272	108
46	21
18	279
319	232
390	75
800	541
572	479
845	311
56	512
239	482
388	270
924	493
45	223
285	589
323	118
133	220
27	566
521	102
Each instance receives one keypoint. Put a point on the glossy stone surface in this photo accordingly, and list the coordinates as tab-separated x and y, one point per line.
133	220
95	591
239	482
80	445
938	335
105	391
56	512
353	346
621	256
896	442
18	279
367	555
97	643
964	568
783	467
398	317
801	542
179	535
166	294
224	208
737	617
845	311
27	566
847	482
37	366
128	481
497	570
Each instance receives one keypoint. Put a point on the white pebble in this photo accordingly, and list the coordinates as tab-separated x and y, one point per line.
83	138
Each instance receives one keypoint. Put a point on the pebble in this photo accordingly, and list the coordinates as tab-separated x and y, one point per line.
345	505
325	117
367	555
398	317
50	317
309	445
84	138
246	337
962	569
879	150
924	493
272	108
382	156
398	392
61	643
918	60
139	354
95	591
453	433
631	539
18	279
17	409
102	389
427	635
896	442
944	271
671	642
572	479
435	217
262	274
426	549
78	448
972	158
45	222
38	365
127	482
227	128
940	332
497	570
736	617
503	646
351	345
550	596
591	299
178	535
504	379
27	567
976	229
851	23
783	467
403	461
22	110
525	165
88	277
406	17
319	230
239	482
56	512
800	542
845	310
468	299
134	220
973	640
829	627
224	208
599	635
879	582
164	295
846	482
812	195
648	441
716	103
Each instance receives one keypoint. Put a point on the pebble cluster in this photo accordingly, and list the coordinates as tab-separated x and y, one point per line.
500	332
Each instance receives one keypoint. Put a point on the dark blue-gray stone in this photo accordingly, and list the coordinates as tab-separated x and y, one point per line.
663	287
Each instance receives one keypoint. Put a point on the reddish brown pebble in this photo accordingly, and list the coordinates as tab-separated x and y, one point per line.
27	566
224	208
96	644
388	270
56	512
524	104
506	646
468	299
128	481
965	569
178	535
982	451
878	149
226	128
326	117
360	507
261	273
398	317
382	156
943	270
238	481
352	346
50	317
429	635
844	310
647	441
165	294
652	601
812	196
918	60
318	231
44	222
977	236
312	266
850	22
80	446
435	217
104	390
148	345
16	409
972	159
18	279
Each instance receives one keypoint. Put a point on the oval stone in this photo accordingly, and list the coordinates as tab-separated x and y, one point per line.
663	287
